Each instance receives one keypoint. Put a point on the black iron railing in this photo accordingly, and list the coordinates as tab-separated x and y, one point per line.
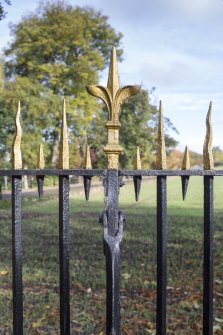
112	219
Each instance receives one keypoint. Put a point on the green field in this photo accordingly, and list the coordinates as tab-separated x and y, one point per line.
138	279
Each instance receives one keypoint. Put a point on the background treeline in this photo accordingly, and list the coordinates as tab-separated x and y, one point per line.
54	53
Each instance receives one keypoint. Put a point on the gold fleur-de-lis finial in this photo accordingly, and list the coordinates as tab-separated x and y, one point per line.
87	158
64	148
113	96
186	160
137	160
161	148
40	159
16	147
208	161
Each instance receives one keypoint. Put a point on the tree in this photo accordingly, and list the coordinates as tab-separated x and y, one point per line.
218	156
2	10
138	120
62	48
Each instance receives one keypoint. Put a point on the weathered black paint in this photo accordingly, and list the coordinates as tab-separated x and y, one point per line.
208	256
112	246
161	256
17	255
112	219
40	182
111	184
64	255
184	182
99	172
87	186
137	186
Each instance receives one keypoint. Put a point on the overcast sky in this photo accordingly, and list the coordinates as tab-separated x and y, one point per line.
170	44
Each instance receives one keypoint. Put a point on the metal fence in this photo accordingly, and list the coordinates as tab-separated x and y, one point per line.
112	218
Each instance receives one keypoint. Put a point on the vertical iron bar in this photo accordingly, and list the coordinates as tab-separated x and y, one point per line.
112	253
208	256
113	229
111	196
17	255
64	255
161	256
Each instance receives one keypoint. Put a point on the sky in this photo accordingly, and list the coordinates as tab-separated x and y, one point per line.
173	45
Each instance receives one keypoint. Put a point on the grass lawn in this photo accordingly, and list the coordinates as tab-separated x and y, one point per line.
138	284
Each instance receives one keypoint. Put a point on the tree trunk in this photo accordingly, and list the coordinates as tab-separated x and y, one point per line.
55	149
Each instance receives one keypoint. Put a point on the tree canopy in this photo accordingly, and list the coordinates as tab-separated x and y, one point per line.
62	47
55	52
2	10
59	49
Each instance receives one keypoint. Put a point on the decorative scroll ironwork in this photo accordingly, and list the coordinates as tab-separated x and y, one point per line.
208	161
64	148
113	96
161	148
16	147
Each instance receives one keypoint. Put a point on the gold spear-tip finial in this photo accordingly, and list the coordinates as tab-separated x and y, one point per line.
16	147
40	159
113	96
87	158
186	160
208	161
113	84
137	160
161	148
64	148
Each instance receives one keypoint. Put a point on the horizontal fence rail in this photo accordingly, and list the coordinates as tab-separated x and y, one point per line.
101	172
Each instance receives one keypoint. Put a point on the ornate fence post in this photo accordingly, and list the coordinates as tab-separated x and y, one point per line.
112	218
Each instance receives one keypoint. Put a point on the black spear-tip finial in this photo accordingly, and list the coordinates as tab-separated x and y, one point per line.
40	165
87	179
185	166
137	179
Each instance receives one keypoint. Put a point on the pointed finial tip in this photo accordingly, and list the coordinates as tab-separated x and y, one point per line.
161	107
41	160
87	160
186	159
137	160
